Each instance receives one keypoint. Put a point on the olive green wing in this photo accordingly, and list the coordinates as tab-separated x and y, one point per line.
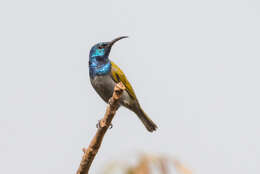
119	76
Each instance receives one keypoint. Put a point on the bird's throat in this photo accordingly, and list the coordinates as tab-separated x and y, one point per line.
102	69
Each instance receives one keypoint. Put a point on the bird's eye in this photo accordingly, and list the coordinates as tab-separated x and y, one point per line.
101	46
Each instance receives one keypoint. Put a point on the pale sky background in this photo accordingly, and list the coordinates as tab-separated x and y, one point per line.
194	65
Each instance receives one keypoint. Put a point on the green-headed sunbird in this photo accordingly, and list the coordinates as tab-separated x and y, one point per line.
105	74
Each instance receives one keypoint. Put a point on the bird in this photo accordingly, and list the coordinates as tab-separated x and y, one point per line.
105	74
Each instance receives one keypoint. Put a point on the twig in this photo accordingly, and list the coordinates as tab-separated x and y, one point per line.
91	151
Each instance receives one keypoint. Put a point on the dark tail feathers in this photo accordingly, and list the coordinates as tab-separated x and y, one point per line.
148	123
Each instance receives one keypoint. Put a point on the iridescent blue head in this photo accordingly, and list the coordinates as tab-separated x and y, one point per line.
99	63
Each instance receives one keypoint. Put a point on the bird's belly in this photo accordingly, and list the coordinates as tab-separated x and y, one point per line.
104	86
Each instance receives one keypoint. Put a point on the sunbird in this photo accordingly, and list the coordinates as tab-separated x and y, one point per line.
105	74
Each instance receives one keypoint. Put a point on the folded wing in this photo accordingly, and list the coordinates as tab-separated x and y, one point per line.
119	76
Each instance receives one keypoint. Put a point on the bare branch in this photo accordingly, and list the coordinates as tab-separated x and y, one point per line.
91	151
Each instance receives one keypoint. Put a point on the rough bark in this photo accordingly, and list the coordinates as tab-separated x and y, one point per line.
104	124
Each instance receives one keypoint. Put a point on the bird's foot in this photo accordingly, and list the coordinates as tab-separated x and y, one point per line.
98	125
110	102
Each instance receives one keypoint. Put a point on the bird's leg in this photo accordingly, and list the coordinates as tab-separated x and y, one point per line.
98	125
109	102
100	122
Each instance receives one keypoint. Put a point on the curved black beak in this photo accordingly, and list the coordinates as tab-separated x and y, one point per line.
115	40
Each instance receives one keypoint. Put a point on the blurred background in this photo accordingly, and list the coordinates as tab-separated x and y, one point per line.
194	66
